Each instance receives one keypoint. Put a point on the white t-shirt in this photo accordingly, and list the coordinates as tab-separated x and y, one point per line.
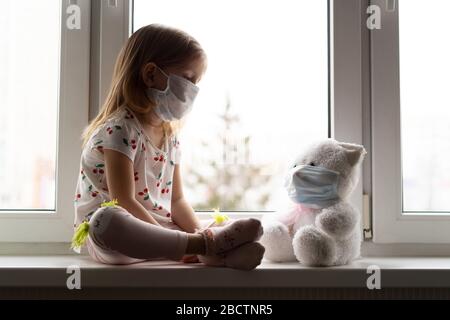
153	167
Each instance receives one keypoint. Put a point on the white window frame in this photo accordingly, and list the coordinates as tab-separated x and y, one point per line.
73	104
365	109
391	225
347	94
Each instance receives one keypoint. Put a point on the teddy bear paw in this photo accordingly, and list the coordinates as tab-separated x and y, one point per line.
313	247
277	242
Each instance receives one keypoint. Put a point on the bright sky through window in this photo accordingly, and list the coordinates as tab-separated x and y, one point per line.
263	97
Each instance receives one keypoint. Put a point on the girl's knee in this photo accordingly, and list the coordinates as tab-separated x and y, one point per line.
102	218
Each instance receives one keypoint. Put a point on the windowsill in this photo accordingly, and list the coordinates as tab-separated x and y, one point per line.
50	271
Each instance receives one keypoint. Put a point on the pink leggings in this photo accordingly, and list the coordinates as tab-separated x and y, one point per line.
117	237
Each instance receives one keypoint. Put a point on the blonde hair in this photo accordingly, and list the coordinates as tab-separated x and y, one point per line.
162	45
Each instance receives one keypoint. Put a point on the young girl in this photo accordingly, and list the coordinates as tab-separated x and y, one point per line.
131	153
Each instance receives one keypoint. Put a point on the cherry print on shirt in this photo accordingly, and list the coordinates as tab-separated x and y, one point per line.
83	176
132	143
93	193
144	193
157	207
77	197
166	190
159	180
129	115
110	129
98	146
159	158
136	177
99	169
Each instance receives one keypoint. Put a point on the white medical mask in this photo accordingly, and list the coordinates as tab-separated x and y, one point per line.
312	186
176	100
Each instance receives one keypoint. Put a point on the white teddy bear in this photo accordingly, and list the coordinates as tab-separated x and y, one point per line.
321	228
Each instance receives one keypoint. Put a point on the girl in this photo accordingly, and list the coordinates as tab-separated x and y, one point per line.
131	153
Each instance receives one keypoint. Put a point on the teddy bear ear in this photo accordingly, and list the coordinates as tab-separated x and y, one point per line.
353	156
354	152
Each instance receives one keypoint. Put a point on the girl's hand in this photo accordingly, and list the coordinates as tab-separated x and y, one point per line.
190	259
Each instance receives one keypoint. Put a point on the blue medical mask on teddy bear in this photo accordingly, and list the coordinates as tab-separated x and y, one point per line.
176	100
312	186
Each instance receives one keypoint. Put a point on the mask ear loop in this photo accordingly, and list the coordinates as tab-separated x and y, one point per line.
161	70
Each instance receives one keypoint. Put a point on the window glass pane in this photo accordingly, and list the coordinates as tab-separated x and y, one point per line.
264	96
29	64
425	106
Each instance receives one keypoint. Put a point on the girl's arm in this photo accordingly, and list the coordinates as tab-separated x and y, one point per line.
182	213
120	180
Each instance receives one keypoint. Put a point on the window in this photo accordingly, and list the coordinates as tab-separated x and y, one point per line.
263	98
410	123
43	108
28	102
424	106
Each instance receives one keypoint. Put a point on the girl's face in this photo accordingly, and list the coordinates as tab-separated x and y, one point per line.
192	71
154	78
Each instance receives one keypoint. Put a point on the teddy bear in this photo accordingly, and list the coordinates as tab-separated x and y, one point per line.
320	227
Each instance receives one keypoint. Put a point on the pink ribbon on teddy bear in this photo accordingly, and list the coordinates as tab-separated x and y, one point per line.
293	215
